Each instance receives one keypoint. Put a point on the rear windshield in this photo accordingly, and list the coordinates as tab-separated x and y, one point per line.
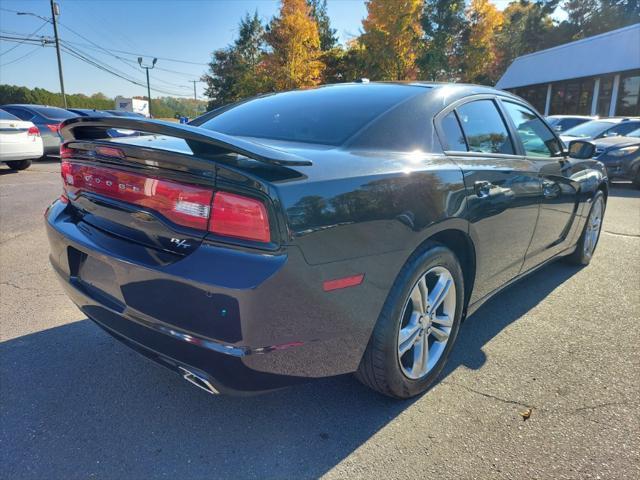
7	116
589	129
328	115
54	113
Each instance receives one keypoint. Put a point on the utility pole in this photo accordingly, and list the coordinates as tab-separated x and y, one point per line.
55	11
147	68
195	97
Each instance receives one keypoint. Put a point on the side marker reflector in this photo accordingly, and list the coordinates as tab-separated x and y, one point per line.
345	282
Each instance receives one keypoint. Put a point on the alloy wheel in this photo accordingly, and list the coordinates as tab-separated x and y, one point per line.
594	223
427	319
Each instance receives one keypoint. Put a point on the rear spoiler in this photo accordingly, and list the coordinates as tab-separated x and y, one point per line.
200	141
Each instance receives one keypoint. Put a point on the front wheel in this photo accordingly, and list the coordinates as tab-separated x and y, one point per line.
590	233
19	164
417	326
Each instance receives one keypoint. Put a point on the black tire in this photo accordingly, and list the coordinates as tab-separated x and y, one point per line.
19	164
580	256
636	179
380	367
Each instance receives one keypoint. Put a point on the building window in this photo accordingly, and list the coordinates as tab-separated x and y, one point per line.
536	95
604	96
628	94
572	97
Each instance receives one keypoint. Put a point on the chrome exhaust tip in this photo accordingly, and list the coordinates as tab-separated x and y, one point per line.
198	381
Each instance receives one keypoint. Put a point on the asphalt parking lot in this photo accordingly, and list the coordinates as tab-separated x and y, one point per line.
562	344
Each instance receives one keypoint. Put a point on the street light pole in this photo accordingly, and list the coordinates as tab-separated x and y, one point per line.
147	68
55	10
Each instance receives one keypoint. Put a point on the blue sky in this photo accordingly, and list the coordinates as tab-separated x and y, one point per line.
187	30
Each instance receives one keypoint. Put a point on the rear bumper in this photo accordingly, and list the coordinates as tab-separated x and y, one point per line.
248	322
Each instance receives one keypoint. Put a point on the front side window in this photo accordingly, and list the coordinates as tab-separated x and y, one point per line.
622	129
484	128
537	139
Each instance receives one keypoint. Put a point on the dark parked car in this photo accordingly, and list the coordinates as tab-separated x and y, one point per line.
621	156
348	228
46	119
562	123
603	128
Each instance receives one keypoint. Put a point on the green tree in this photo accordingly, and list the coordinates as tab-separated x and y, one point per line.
443	22
295	57
392	38
480	55
328	38
527	27
235	71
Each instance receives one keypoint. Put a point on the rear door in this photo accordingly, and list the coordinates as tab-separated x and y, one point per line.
502	189
559	196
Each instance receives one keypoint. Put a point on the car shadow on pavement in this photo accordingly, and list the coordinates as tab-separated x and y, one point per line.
77	404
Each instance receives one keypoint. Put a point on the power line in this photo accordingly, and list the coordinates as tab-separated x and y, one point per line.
109	69
27	38
28	54
168	59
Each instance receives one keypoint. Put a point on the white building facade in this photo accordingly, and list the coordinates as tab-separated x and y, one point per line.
598	75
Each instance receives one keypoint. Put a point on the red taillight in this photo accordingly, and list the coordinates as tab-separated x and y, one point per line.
54	127
33	131
240	217
65	152
184	204
222	213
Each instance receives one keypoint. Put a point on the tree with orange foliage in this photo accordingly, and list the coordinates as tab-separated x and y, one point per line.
480	59
392	38
294	59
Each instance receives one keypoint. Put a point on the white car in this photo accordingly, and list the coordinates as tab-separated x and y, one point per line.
20	142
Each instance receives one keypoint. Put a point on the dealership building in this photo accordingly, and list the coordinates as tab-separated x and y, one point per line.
598	75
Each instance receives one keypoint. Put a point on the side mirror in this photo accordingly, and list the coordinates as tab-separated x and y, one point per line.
581	149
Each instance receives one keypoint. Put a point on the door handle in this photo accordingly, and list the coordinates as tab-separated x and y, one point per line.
482	188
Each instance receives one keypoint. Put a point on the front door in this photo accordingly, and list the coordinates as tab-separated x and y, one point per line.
559	196
502	190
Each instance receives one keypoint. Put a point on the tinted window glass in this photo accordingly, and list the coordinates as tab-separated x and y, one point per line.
7	116
537	139
55	113
328	115
484	128
629	95
454	139
20	113
589	129
621	129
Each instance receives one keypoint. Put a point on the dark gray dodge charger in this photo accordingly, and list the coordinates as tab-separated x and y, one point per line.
305	234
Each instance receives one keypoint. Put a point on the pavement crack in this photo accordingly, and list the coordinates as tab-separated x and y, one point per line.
632	235
488	395
600	405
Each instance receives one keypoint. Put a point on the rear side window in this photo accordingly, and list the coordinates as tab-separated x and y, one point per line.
7	116
537	139
484	128
453	136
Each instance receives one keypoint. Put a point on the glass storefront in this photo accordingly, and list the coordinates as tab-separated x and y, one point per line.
628	94
575	97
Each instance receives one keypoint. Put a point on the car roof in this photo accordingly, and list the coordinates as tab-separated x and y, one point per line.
573	116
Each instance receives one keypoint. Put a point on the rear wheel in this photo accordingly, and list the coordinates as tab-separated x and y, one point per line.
417	326
19	164
590	234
